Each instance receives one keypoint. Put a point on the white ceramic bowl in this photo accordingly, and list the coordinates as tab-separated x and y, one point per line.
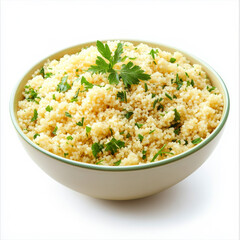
121	182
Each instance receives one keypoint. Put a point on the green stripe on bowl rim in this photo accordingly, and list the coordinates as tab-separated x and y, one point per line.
134	167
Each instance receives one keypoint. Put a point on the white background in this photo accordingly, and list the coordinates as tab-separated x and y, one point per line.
203	206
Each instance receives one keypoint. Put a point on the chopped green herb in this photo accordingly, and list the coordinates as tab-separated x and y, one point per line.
77	70
80	123
172	60
97	148
114	145
144	154
134	58
35	115
128	135
99	162
117	163
140	137
168	96
174	96
36	135
111	131
196	141
154	103
69	137
128	114
49	108
124	58
65	154
42	71
88	130
54	97
186	74
160	152
186	142
55	131
153	53
47	75
153	95
176	115
177	131
192	82
122	96
67	114
87	85
121	133
210	88
32	95
63	86
179	82
152	131
75	97
145	87
139	125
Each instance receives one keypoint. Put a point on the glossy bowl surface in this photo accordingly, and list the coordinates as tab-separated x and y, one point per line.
122	182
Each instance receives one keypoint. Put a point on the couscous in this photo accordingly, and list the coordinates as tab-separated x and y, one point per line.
119	104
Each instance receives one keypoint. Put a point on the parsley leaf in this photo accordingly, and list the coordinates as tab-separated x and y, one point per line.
144	154
104	50
99	162
210	88
128	114
75	97
153	53
35	115
36	135
55	131
87	85
145	87
54	97
113	77
80	123
139	125
152	131
172	60
100	67
117	163
97	148
176	115
69	137
168	96
117	54
196	141
63	86
49	108
32	95
67	114
65	154
140	137
88	130
131	74
122	96
114	145
128	135
179	82
160	152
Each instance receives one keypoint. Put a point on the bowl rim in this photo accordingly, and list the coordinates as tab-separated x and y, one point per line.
132	167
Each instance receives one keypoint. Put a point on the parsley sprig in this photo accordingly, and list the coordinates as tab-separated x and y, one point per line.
129	73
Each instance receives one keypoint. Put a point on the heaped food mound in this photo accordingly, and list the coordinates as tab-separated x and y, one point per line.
119	104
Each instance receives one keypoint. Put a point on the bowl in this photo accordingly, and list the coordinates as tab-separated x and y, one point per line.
121	182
